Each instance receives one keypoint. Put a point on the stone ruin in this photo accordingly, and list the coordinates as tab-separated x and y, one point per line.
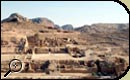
40	44
75	52
100	68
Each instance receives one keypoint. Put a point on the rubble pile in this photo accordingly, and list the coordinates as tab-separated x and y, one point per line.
75	52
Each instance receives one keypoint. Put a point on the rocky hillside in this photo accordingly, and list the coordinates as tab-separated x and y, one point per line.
43	21
102	27
17	18
115	32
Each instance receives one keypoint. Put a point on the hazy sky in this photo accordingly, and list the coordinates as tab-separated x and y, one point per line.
77	13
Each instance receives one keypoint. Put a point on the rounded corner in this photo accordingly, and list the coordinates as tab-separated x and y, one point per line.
123	74
123	5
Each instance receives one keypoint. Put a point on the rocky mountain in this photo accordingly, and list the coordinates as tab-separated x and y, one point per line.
43	21
67	27
17	18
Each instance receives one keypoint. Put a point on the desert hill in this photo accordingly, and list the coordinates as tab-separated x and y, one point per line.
103	27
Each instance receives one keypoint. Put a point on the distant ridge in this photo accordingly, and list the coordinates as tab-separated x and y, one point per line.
42	21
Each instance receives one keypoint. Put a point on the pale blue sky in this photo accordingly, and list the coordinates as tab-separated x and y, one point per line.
77	13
